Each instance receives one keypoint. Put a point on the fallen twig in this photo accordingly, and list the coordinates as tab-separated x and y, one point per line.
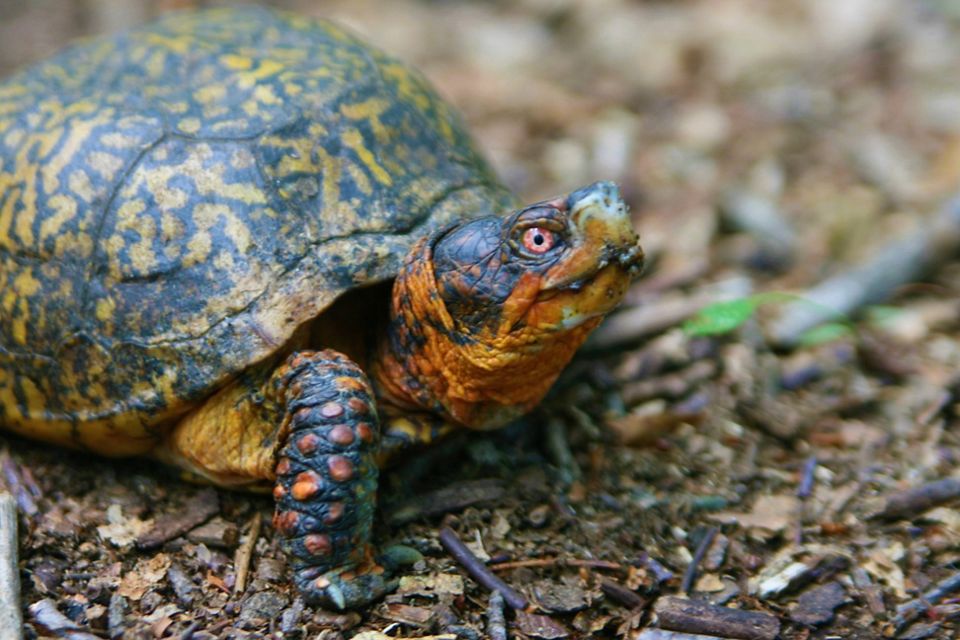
660	572
679	614
690	575
908	612
558	448
913	502
806	478
45	613
198	510
11	623
804	491
496	623
549	562
478	571
241	561
896	264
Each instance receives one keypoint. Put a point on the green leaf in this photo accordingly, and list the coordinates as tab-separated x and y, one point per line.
882	315
721	317
825	333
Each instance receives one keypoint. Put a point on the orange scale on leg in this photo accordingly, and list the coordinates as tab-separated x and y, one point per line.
341	469
306	485
358	405
365	431
341	434
331	410
317	544
308	443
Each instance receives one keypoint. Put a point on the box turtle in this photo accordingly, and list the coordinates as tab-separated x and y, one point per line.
248	244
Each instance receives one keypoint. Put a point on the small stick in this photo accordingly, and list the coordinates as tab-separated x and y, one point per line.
805	490
11	622
558	448
679	614
908	612
913	502
200	508
549	562
496	623
690	575
478	570
660	572
241	561
903	260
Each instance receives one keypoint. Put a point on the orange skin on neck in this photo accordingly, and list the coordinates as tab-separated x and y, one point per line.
503	371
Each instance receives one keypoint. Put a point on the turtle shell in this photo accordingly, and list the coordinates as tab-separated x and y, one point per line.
177	200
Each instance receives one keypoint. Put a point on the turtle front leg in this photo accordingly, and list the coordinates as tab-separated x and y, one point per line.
326	479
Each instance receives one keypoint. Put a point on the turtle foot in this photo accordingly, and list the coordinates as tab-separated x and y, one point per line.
343	589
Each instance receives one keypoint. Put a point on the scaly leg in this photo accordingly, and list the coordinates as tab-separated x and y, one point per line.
326	483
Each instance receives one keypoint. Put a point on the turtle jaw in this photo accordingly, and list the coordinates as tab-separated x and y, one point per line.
605	257
602	236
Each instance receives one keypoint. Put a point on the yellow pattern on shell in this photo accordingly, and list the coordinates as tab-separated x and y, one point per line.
176	201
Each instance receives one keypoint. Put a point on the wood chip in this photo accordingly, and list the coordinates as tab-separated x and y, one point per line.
216	533
915	501
690	616
198	510
816	606
241	560
538	626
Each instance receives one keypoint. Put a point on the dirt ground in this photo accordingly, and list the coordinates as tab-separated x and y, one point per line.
805	476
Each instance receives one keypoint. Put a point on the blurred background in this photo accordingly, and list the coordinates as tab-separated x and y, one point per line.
841	118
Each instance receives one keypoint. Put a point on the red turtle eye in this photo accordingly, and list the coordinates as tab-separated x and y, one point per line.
538	240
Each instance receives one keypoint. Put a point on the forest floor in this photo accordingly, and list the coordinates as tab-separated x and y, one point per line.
740	476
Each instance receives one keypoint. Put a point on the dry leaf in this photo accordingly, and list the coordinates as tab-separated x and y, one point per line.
121	531
143	576
771	513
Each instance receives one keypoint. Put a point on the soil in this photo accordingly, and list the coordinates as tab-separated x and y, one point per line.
763	147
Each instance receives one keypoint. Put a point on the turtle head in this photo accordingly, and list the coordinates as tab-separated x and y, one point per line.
489	311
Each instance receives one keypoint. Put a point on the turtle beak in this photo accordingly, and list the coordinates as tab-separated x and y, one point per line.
603	236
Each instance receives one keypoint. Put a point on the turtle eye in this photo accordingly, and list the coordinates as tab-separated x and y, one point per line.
538	240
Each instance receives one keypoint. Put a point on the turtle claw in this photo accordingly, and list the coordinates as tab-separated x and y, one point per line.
341	590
